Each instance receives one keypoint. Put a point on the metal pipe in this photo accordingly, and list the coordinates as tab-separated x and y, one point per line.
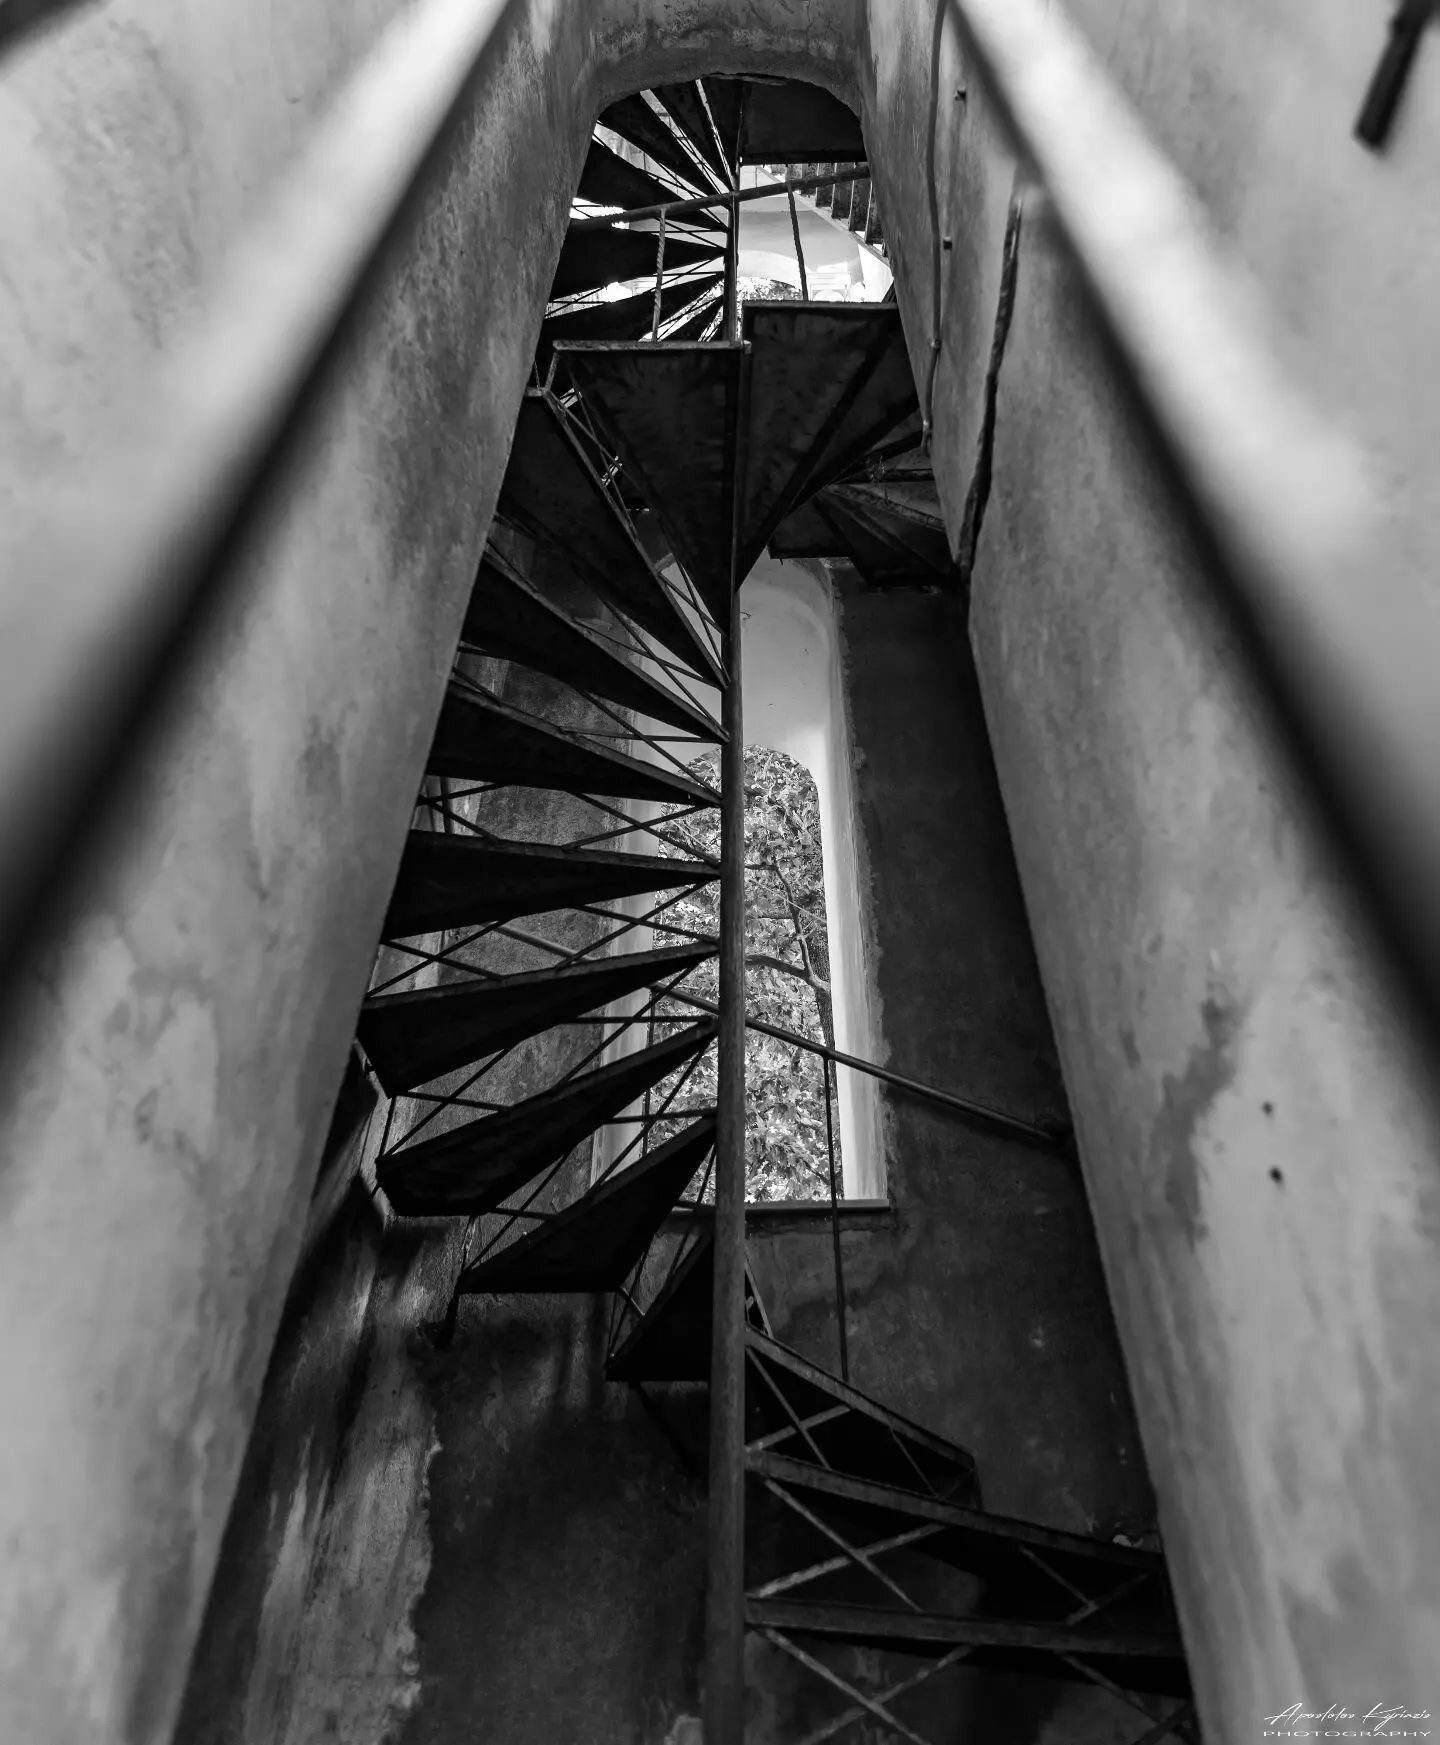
799	252
835	1232
659	277
725	1586
1344	644
704	203
730	319
1382	99
1043	1138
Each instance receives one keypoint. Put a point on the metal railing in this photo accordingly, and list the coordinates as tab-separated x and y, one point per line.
1273	494
485	952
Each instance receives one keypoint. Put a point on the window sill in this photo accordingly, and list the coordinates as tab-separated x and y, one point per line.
797	1217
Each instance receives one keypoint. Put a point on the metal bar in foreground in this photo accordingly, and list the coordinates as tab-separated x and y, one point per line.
1276	497
725	1584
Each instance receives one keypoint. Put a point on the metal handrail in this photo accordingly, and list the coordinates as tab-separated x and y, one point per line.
996	1120
103	620
724	1610
842	1331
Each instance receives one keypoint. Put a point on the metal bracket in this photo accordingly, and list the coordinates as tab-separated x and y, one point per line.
1407	26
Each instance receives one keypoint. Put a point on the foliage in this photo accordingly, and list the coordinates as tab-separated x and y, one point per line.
788	972
749	290
765	291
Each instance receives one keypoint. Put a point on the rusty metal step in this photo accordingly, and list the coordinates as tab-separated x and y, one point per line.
472	1168
413	1037
826	382
553	492
796	1408
509	617
671	412
470	881
683	104
593	1244
1014	1556
672	1340
634	120
481	739
591	258
1133	1660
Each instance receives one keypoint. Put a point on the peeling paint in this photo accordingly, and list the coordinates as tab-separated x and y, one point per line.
1186	1101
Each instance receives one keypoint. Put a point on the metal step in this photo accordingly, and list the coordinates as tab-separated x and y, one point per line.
789	121
724	98
1014	1556
552	491
889	549
683	104
826	382
413	1037
469	881
625	318
672	1340
481	739
593	1244
473	1167
671	413
1133	1660
610	180
509	617
591	258
796	1408
695	325
634	120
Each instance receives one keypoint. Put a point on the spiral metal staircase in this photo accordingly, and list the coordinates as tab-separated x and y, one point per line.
538	1017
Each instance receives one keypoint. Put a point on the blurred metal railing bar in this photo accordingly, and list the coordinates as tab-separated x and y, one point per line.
104	612
1344	646
1011	1126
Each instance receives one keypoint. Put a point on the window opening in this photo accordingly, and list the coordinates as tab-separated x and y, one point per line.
787	1135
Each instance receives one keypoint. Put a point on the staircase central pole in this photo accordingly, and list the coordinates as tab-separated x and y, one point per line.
725	1592
728	327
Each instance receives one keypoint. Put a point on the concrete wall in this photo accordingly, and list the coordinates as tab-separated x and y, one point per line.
182	1049
1259	1160
1260	1153
980	1309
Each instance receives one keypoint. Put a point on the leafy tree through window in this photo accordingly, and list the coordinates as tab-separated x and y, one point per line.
788	974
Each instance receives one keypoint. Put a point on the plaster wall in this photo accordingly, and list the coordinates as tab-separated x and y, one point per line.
1255	1126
